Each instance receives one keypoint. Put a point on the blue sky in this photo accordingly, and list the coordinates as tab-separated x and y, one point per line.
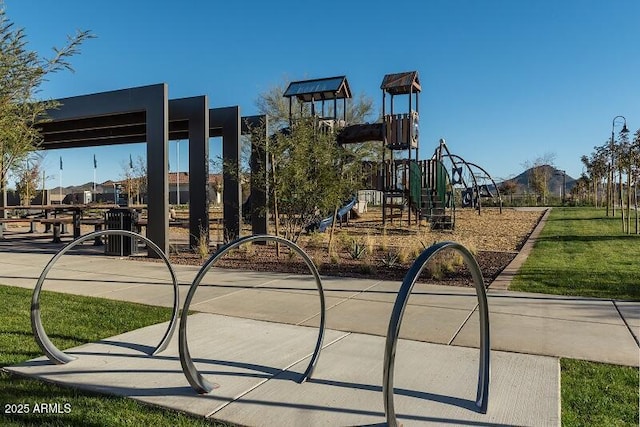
504	81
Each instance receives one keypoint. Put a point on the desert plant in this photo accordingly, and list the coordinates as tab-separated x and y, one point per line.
390	259
334	258
202	243
344	240
403	255
434	269
369	243
384	241
316	240
443	263
357	249
367	268
173	249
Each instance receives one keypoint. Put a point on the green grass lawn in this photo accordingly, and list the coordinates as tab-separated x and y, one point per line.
71	321
581	252
597	394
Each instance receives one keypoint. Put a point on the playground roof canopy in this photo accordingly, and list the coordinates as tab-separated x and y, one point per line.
319	89
401	83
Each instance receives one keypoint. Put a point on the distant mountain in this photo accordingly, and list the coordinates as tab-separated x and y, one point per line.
554	183
105	187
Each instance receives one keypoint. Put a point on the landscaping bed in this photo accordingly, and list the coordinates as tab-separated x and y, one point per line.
365	249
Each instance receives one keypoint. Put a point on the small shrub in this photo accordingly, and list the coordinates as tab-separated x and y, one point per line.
357	249
343	240
334	258
202	244
173	249
434	269
403	255
384	241
367	268
316	240
369	243
443	263
317	261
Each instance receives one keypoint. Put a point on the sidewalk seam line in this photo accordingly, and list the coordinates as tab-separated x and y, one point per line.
241	395
626	323
236	292
462	325
338	303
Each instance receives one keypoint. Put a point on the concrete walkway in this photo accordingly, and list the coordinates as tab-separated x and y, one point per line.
581	328
256	329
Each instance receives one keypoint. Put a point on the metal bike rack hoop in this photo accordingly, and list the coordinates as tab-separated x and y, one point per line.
51	351
482	395
196	380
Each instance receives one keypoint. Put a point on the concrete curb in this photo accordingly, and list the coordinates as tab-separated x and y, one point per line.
503	281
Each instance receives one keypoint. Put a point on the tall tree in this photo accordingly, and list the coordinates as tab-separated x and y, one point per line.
22	72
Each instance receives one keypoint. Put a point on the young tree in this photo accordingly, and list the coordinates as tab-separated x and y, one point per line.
596	170
311	176
22	72
509	188
29	174
539	173
635	172
309	173
627	154
134	175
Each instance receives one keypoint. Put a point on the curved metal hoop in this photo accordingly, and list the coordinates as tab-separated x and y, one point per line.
482	396
52	352
197	381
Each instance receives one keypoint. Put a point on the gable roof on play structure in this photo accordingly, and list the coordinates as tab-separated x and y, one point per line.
401	83
319	89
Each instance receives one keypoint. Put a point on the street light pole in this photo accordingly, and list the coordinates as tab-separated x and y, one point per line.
563	190
610	178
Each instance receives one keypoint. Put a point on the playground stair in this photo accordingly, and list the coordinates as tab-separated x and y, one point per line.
394	204
432	209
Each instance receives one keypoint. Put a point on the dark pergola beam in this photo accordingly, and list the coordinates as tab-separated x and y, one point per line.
90	123
150	101
227	119
193	112
259	173
144	114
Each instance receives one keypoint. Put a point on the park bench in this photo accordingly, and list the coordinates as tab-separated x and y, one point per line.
4	221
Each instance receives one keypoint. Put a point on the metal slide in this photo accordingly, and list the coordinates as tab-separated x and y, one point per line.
325	223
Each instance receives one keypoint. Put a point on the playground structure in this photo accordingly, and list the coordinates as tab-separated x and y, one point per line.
421	189
411	188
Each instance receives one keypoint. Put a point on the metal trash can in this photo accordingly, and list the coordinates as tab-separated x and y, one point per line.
120	219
